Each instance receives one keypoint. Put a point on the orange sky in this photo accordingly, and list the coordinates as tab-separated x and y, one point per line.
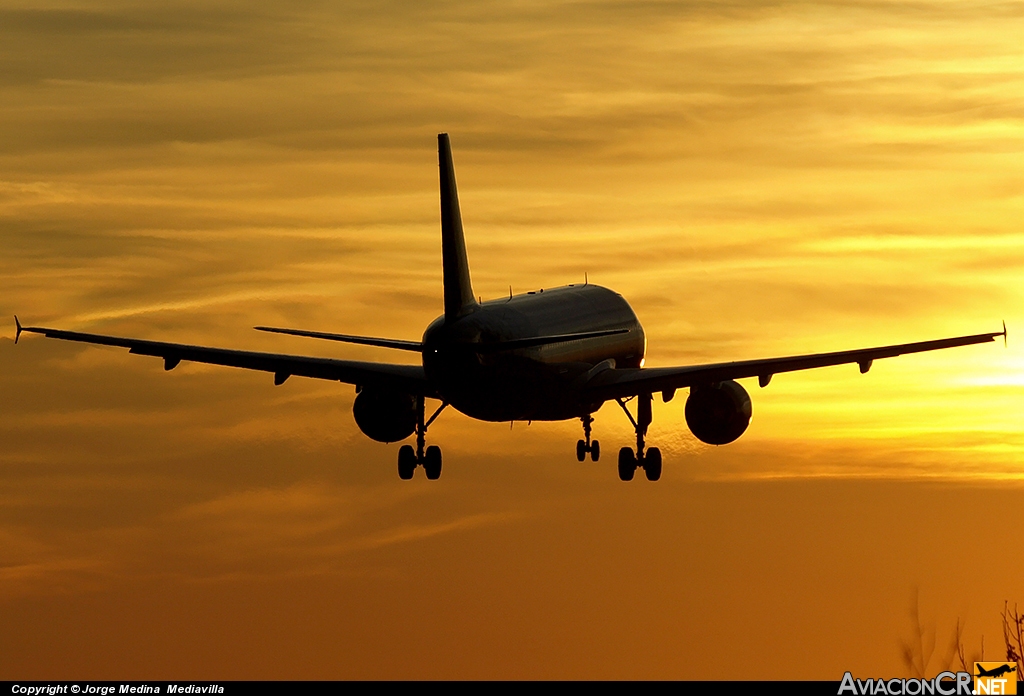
758	179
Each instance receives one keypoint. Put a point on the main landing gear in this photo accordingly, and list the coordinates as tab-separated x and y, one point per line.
649	460
409	459
585	446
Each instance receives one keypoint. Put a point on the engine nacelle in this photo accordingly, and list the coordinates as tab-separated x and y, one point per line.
384	415
718	414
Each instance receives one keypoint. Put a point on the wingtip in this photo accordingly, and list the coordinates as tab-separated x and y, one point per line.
18	329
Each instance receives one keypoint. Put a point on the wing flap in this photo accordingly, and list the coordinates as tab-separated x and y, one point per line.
409	378
620	383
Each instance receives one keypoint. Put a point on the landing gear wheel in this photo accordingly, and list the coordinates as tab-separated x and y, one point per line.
595	451
652	464
432	462
581	450
629	459
627	464
406	462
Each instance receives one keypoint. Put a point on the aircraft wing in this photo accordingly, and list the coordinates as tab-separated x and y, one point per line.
406	378
621	383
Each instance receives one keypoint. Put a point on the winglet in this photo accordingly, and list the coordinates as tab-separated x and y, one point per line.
19	329
1004	333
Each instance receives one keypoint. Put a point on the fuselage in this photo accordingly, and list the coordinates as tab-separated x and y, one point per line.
537	383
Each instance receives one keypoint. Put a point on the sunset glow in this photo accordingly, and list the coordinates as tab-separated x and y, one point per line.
756	179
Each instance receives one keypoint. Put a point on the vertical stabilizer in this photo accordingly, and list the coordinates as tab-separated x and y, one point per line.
458	289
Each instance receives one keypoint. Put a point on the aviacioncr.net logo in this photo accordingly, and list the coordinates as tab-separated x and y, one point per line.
944	684
995	678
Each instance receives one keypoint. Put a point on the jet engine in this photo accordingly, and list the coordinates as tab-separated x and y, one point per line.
384	415
718	413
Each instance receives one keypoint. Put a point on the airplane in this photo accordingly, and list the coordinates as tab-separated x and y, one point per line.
995	671
549	355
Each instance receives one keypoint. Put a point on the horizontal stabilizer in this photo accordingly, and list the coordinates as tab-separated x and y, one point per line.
416	346
399	344
518	343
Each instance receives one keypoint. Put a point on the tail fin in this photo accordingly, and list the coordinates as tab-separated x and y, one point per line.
458	289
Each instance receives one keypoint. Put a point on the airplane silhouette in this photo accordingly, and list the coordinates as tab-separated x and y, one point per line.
555	354
996	671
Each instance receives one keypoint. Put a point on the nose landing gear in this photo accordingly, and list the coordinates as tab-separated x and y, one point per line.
585	446
409	459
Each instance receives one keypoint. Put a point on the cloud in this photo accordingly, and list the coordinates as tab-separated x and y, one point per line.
756	178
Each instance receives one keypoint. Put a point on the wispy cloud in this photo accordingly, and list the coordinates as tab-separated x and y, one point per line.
757	178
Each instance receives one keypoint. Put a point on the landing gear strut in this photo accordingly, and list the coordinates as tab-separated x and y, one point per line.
584	446
409	459
649	460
